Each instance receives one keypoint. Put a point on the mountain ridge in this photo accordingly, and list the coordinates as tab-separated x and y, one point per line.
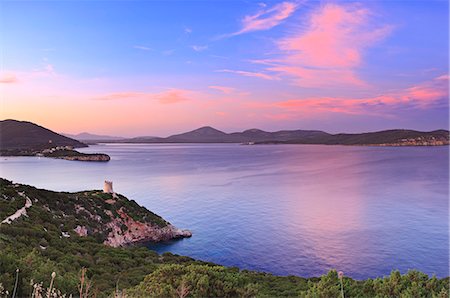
16	135
394	137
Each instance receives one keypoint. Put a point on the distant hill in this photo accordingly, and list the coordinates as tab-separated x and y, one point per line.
394	137
85	136
205	134
257	135
29	136
18	135
209	134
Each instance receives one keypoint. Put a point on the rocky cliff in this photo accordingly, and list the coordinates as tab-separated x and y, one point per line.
109	218
125	230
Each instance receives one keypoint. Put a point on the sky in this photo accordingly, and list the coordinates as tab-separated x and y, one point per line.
136	68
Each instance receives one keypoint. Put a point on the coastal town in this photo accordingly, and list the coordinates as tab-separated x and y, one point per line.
419	141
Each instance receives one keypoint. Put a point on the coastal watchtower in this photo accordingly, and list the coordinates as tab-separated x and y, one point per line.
108	187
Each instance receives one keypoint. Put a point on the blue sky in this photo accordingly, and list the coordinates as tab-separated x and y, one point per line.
159	67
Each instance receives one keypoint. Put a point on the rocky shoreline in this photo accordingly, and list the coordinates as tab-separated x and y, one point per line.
124	231
85	157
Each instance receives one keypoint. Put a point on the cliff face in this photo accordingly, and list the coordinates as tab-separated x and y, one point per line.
109	218
125	230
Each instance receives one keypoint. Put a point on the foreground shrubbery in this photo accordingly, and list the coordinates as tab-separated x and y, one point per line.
201	280
217	281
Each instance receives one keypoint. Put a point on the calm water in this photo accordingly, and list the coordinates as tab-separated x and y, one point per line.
285	209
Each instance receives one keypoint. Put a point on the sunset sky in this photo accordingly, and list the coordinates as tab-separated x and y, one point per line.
135	68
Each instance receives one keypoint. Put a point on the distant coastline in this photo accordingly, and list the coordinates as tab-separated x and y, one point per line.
392	138
22	138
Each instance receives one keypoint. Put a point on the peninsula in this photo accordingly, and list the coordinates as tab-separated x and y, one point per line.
104	215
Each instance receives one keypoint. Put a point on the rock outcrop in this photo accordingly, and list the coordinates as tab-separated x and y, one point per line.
87	157
125	230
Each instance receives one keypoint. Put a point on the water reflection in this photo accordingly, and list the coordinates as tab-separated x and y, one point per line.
283	209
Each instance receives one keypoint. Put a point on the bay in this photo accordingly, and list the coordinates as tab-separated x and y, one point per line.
283	209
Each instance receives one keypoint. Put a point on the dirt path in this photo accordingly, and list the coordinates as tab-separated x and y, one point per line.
22	211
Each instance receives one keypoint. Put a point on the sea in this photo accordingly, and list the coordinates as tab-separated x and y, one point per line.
283	209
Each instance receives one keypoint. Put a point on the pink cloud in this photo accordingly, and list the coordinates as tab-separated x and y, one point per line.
266	18
44	72
226	90
172	96
8	79
329	48
165	97
420	96
250	74
220	113
310	77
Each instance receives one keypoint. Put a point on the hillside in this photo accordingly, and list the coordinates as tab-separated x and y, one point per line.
209	134
26	138
21	138
110	218
205	134
20	135
76	234
396	137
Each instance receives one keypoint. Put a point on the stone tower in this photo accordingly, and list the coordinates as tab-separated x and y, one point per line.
108	187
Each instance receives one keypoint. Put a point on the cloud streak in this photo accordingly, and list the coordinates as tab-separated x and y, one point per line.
143	48
199	48
266	18
250	74
8	79
170	96
422	96
223	89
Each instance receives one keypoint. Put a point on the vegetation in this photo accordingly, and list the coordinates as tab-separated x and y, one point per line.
71	153
387	137
51	257
397	137
54	213
217	281
23	136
